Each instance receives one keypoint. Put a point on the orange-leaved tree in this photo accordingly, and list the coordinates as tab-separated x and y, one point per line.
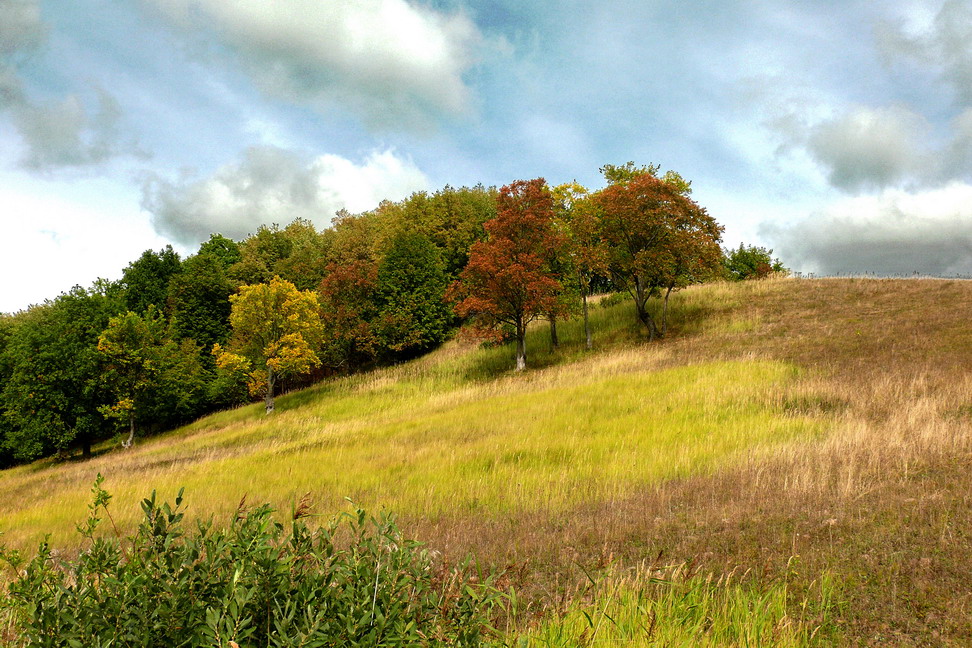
276	333
508	281
657	237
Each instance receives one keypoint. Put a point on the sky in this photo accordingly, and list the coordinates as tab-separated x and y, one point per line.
837	133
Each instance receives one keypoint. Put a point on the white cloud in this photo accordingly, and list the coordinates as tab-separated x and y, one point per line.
894	233
55	242
390	60
273	185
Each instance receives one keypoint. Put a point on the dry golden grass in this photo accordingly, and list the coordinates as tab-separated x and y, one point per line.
880	502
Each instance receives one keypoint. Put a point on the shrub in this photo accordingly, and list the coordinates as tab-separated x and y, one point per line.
751	262
354	582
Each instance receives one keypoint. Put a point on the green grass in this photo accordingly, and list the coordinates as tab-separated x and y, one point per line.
451	434
680	611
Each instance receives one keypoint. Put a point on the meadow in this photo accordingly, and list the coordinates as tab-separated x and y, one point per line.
788	467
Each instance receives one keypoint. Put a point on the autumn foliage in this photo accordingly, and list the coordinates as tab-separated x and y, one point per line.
508	281
658	239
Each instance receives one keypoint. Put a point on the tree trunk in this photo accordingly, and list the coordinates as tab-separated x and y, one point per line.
85	448
587	324
641	303
268	399
664	330
127	443
554	340
520	347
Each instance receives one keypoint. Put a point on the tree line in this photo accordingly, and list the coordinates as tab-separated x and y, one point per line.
175	338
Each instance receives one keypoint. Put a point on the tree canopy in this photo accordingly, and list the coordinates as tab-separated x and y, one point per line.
276	332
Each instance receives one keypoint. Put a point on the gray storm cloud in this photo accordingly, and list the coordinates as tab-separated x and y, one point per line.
896	233
871	148
944	43
393	62
274	185
55	134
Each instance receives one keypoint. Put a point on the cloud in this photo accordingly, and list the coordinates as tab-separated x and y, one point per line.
895	233
944	42
60	133
63	134
274	185
391	61
869	148
21	31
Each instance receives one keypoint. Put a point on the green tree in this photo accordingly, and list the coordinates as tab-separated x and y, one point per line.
259	255
276	332
156	381
199	300
54	391
223	249
145	281
412	312
577	212
750	262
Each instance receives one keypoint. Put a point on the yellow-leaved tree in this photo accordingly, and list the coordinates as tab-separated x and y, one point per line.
276	332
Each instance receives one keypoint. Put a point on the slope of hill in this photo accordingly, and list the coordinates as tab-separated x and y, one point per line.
808	437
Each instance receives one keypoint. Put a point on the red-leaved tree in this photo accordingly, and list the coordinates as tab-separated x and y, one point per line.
508	280
658	239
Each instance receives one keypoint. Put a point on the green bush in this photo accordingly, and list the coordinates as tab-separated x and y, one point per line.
354	582
751	262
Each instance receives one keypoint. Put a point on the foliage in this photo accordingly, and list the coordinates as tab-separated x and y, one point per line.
452	218
578	216
348	310
259	255
276	333
224	250
54	389
413	315
305	265
751	262
155	379
354	582
657	237
508	280
146	280
199	299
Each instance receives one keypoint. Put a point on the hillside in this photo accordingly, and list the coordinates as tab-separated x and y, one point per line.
808	437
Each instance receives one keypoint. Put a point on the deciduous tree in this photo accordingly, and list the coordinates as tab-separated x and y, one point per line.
657	237
577	210
508	279
412	313
156	381
146	280
276	333
54	389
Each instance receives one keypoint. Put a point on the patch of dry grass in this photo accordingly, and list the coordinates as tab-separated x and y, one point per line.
882	501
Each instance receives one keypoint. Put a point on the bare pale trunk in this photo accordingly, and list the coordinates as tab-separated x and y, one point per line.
520	347
127	443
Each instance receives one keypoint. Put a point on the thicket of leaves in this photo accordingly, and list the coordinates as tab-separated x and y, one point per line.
257	582
136	356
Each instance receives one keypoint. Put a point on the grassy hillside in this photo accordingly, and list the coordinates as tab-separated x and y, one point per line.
793	459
